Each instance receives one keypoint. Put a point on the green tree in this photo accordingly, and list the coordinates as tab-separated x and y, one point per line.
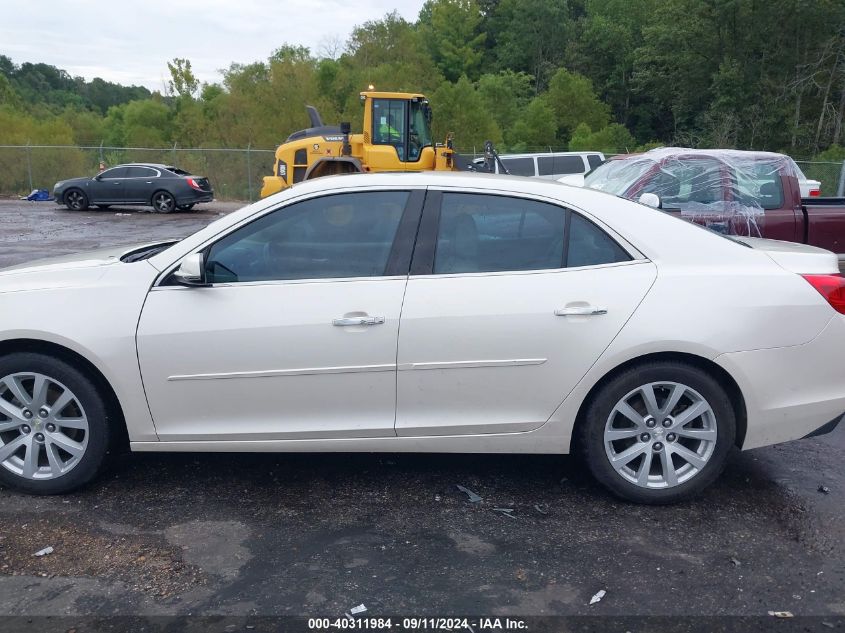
536	127
612	139
182	82
573	100
459	108
505	95
450	29
531	36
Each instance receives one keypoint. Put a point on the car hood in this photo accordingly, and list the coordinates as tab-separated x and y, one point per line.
72	181
74	261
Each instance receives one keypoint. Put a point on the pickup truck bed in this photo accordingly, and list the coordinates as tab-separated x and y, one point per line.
824	224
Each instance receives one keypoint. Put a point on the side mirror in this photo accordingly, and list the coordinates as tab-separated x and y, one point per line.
651	200
191	271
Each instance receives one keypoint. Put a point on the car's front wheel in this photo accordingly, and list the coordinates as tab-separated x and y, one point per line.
658	432
54	431
76	200
163	202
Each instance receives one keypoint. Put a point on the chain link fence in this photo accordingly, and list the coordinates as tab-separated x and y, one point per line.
235	174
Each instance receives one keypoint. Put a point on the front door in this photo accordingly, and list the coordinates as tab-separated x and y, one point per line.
295	337
516	301
110	186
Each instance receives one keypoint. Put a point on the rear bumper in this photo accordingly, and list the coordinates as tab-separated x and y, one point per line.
792	392
195	197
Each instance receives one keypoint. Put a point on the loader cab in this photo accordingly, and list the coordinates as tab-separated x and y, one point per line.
399	129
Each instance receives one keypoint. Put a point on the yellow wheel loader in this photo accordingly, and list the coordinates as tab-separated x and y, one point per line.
396	137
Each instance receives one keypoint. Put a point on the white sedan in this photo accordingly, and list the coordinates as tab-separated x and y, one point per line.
426	313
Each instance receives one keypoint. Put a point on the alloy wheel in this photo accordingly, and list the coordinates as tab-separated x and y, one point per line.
163	202
43	427
76	200
660	435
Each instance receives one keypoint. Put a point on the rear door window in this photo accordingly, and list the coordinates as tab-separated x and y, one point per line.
488	233
141	172
492	233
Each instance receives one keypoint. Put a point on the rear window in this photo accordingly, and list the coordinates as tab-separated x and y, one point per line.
141	172
519	166
554	165
178	172
759	184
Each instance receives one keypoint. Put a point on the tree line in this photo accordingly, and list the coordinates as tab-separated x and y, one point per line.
611	75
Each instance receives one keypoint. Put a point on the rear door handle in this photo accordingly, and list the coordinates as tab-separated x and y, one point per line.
362	320
580	311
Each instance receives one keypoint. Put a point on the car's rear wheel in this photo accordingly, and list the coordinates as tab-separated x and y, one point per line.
163	202
54	432
185	207
76	200
658	433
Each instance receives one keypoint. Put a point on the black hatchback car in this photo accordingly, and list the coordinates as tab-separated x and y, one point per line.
163	187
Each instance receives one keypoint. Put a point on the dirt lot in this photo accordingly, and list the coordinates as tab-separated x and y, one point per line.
316	535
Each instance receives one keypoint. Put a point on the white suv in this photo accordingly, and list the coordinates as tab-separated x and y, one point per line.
551	165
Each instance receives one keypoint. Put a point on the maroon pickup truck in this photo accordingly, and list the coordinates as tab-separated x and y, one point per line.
733	192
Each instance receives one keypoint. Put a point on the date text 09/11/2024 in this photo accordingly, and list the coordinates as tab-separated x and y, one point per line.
418	624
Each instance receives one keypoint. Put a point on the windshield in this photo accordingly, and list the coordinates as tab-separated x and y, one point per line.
420	134
615	176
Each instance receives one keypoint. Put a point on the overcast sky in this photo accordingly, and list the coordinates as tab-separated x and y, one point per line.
130	42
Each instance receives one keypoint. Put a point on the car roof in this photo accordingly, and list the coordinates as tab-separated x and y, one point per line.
541	154
153	165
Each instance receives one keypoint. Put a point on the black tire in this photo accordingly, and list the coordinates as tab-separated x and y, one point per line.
163	201
185	207
75	200
104	207
96	412
589	434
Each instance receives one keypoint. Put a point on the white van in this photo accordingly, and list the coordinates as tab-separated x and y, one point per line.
551	165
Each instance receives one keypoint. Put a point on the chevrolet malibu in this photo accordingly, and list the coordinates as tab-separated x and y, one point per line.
425	313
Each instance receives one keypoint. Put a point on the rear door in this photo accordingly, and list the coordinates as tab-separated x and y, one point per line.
509	303
140	183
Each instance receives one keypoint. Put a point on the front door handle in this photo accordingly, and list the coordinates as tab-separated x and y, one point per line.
580	311
362	320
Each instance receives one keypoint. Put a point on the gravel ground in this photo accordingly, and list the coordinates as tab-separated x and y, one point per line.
264	535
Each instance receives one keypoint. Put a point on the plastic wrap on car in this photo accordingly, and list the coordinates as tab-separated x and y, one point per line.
725	190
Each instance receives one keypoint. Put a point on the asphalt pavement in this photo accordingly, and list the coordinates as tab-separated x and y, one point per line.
264	535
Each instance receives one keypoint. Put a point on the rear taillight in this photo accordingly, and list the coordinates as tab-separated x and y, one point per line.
193	184
815	193
831	287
